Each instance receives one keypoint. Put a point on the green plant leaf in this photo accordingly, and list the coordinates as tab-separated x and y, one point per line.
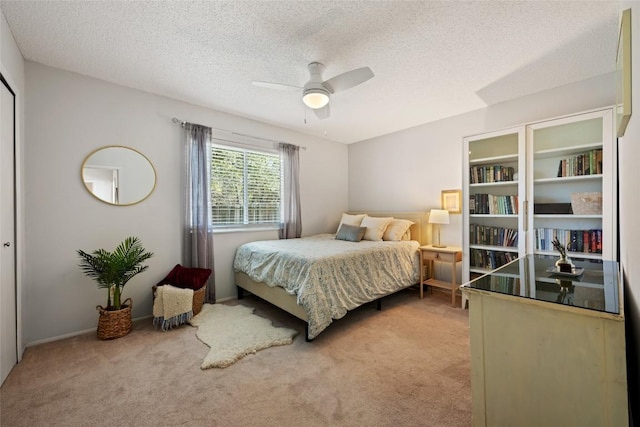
115	268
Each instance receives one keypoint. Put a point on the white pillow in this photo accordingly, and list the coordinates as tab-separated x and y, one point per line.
354	220
397	229
375	227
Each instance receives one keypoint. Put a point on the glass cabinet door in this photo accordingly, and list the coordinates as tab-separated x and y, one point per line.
571	186
493	203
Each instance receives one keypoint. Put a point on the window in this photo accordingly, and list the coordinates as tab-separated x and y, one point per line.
245	187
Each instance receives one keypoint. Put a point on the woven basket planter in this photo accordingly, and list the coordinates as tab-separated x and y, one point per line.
115	323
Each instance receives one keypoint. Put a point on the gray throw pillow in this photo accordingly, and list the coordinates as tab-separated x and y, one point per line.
350	233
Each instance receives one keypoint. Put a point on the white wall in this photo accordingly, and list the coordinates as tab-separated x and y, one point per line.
629	177
12	68
67	117
407	170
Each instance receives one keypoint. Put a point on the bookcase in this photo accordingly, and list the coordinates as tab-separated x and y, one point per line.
525	186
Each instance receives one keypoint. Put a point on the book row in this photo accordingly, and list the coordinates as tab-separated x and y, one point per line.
493	205
492	236
585	241
490	259
583	164
484	174
504	284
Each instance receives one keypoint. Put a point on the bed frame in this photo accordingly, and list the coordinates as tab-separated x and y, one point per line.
420	231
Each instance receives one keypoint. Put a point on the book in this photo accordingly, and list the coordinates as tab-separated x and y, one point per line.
579	165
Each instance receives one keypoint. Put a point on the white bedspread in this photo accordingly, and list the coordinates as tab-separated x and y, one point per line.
330	276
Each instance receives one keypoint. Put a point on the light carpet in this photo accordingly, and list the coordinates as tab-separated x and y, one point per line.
232	332
407	365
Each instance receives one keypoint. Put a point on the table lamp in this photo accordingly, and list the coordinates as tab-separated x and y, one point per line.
439	216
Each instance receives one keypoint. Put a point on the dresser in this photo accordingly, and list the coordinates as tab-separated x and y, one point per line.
548	349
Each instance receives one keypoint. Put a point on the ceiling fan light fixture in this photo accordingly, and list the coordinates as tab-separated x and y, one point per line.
315	98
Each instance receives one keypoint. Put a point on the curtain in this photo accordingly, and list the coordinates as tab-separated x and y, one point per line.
290	220
197	236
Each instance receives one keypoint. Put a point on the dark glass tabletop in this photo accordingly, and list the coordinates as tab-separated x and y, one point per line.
592	284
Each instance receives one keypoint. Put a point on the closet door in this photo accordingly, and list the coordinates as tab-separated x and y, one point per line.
8	323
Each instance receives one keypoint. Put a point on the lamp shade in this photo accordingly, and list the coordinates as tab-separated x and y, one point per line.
315	98
439	216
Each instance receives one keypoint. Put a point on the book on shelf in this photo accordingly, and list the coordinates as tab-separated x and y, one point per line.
493	205
492	236
488	174
488	259
577	241
589	163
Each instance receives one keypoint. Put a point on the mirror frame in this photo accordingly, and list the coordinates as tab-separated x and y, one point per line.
84	163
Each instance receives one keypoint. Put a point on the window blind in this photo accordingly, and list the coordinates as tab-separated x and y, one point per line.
245	187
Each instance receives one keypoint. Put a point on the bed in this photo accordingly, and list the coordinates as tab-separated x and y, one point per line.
320	278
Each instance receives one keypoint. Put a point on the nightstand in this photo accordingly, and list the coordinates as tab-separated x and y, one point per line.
448	254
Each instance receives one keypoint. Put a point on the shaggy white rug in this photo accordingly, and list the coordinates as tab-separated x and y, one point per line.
233	331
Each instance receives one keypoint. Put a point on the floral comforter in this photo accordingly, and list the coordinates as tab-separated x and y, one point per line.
329	276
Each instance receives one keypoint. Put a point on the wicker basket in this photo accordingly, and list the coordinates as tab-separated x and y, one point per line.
586	203
115	323
198	298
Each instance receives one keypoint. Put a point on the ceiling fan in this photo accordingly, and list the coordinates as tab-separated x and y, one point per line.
315	93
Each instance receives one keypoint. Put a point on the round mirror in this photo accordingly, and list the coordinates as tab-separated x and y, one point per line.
118	175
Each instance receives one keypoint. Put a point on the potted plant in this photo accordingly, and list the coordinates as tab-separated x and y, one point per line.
112	270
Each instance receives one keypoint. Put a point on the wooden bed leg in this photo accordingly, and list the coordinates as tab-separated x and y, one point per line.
306	332
240	292
379	305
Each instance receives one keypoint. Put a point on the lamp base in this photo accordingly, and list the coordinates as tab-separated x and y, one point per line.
439	246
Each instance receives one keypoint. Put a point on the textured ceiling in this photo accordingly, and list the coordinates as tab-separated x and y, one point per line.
431	59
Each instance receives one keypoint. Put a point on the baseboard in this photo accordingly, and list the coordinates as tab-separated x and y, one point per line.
86	331
73	334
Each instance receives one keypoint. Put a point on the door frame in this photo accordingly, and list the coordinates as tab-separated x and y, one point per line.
17	207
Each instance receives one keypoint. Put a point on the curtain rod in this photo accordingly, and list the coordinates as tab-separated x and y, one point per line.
183	123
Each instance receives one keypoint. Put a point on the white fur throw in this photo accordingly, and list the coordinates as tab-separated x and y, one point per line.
233	331
172	306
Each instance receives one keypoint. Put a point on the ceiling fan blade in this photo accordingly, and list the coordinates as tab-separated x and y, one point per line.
323	113
348	80
278	86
